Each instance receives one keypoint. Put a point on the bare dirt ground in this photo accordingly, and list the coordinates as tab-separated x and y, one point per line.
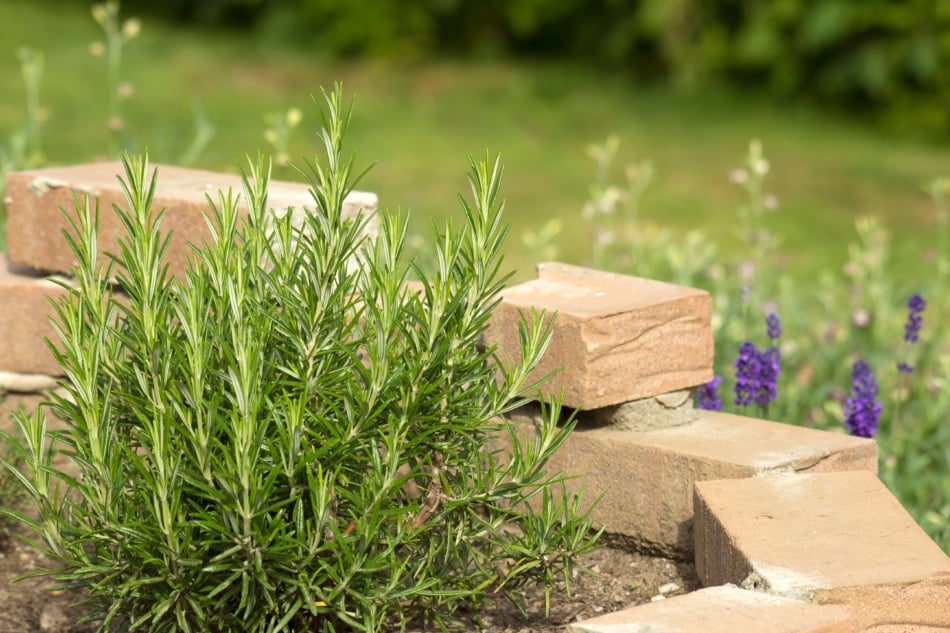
620	579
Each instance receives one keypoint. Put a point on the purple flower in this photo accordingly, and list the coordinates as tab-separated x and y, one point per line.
915	307
862	410
707	395
904	368
773	326
757	375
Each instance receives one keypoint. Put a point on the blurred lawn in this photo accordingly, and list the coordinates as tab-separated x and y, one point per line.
420	121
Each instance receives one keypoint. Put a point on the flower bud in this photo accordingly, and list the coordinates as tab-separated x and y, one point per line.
131	28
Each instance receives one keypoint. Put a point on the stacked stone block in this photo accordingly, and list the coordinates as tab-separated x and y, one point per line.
837	538
39	205
795	517
789	527
37	198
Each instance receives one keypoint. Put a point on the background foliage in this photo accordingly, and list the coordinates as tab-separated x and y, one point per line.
881	57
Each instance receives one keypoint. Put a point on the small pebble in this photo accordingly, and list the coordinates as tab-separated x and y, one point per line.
658	598
54	618
669	587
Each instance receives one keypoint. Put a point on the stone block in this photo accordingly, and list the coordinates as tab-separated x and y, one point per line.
725	609
646	477
616	338
826	538
36	223
24	323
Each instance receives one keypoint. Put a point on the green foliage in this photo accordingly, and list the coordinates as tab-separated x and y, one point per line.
878	55
827	323
287	438
24	148
12	493
889	58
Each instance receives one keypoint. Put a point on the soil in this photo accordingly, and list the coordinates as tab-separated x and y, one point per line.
620	578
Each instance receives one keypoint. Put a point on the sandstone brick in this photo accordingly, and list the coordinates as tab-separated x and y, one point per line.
36	197
906	628
646	477
725	609
828	538
616	338
24	310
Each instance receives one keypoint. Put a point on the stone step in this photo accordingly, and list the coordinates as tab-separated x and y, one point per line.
616	338
725	609
825	538
646	477
35	198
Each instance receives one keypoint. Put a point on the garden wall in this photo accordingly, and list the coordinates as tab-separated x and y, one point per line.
790	528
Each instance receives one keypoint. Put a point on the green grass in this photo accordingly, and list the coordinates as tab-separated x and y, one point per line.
419	121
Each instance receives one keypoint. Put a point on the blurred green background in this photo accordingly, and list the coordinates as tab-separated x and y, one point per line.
848	98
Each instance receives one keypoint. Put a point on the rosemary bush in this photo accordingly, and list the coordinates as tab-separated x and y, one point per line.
12	494
287	438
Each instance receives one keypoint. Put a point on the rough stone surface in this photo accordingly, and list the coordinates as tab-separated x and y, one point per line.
616	338
646	477
725	609
24	324
825	538
36	223
906	628
670	409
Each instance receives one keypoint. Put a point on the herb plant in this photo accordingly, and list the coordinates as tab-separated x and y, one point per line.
12	494
288	437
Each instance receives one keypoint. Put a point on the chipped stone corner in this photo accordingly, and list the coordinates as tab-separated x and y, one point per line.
41	185
783	582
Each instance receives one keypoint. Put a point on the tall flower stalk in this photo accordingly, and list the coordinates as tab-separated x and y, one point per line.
757	371
915	322
707	396
862	410
117	34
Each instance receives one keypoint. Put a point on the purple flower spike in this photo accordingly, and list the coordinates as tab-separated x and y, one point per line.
774	326
915	307
707	395
861	410
757	375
